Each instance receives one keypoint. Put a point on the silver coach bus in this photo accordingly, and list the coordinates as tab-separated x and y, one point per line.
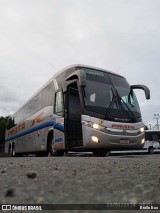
81	108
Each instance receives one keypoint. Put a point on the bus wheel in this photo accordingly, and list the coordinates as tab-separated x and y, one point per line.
151	150
100	153
13	150
51	150
10	150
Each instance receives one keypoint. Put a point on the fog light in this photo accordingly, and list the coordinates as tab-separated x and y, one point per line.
95	139
143	140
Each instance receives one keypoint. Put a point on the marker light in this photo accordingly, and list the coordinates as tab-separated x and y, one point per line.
95	139
143	140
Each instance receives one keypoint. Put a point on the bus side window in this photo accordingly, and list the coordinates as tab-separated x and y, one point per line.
10	122
58	107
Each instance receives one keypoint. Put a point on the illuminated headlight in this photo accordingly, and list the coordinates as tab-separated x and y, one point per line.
143	140
95	139
141	129
96	126
93	125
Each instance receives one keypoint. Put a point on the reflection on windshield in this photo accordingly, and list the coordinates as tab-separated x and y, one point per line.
128	98
98	94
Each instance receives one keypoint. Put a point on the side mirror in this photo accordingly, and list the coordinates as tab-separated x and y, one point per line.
146	90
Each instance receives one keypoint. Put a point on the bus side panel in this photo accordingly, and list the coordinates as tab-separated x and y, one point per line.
33	137
58	136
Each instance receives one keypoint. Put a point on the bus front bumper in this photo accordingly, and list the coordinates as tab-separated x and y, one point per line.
93	138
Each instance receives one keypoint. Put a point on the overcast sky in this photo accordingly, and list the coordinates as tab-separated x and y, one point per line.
40	37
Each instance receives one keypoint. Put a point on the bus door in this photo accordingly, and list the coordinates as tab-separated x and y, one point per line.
73	127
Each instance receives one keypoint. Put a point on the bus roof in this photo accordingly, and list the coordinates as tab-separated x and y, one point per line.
69	68
75	66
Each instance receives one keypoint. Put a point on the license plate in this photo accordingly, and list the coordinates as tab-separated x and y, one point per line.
124	141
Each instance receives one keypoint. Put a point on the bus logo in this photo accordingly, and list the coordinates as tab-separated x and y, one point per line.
124	132
122	126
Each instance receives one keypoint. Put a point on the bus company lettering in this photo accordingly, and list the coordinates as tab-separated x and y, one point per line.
17	129
122	126
37	119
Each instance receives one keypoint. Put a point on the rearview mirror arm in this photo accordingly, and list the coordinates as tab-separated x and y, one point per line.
143	87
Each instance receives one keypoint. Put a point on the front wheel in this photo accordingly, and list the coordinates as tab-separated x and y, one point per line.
151	150
51	150
100	153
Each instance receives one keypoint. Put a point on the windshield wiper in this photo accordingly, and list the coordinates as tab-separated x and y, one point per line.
111	103
120	100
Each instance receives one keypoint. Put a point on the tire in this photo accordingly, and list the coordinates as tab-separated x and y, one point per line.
14	154
10	150
51	150
151	150
13	150
100	153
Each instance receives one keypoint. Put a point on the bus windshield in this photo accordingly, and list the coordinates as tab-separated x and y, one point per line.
109	94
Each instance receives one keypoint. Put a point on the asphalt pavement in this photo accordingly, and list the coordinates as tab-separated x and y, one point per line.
80	179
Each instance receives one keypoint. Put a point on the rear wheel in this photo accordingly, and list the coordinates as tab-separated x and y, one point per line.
10	150
14	154
13	150
100	152
51	150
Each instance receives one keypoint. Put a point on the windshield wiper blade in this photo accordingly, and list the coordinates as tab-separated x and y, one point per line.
119	99
111	103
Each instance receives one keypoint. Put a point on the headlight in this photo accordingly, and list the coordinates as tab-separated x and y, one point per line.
93	125
143	140
141	129
96	126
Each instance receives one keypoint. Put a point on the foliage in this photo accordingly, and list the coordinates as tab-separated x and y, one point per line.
3	122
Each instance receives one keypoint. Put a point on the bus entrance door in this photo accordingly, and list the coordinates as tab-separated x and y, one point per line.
73	125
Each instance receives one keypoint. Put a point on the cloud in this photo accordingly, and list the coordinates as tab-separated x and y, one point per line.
38	38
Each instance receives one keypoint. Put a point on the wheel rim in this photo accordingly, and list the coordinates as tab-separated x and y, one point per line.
13	151
151	150
10	152
53	149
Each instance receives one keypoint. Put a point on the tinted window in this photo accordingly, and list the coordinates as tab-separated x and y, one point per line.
119	81
33	106
95	75
19	116
47	94
58	103
10	122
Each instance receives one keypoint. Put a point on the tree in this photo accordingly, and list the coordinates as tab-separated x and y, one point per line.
3	123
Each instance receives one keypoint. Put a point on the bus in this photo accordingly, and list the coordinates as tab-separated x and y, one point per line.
81	108
152	141
151	144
